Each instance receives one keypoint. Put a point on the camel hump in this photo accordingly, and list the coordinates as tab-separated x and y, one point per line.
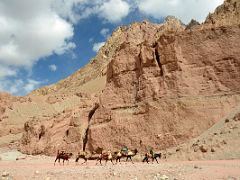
119	154
130	153
82	153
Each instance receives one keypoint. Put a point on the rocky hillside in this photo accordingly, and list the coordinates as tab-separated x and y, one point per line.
150	86
15	111
221	141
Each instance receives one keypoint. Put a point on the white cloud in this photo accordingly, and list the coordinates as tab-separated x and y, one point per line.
67	9
6	71
97	46
75	10
31	30
91	40
31	85
52	67
182	9
18	86
114	10
105	32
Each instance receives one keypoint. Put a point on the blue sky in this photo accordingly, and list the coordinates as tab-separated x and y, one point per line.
42	42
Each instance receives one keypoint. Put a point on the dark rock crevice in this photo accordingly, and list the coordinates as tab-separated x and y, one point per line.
90	115
42	132
139	74
157	57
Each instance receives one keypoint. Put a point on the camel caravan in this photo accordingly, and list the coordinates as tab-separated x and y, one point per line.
107	156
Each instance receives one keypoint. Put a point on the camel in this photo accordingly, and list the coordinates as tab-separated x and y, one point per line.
63	155
118	156
129	154
82	155
152	155
147	156
105	156
155	155
86	156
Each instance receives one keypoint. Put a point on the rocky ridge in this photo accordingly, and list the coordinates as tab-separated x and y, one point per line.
225	15
92	77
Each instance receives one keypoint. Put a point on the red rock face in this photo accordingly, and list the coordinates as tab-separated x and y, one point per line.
164	85
161	93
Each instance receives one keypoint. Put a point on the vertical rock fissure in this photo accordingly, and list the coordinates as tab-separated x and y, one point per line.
139	73
90	115
157	57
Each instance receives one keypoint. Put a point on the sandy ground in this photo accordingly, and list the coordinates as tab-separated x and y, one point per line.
42	167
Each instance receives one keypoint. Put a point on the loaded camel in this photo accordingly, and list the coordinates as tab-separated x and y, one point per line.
105	156
129	154
63	155
86	156
82	155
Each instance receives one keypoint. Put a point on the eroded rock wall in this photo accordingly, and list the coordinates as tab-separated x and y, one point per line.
165	84
161	93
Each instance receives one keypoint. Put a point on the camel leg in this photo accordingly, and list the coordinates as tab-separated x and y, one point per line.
131	159
55	161
100	162
118	160
85	161
145	159
127	159
112	161
77	159
153	160
156	160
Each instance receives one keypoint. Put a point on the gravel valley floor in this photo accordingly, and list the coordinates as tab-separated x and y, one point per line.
42	167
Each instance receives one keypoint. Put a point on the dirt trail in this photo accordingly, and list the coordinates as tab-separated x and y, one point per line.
42	167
